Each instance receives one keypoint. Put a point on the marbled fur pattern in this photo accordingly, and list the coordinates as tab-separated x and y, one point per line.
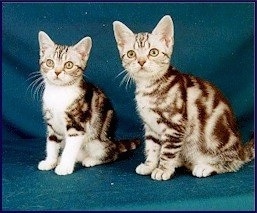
188	122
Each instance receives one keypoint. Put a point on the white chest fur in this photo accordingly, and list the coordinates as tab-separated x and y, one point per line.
57	99
145	106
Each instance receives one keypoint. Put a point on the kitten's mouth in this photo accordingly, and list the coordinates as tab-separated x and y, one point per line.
59	82
55	81
56	78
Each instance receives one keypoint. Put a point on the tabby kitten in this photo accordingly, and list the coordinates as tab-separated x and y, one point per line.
79	116
187	121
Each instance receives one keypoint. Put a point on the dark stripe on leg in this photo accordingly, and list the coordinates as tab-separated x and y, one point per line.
54	138
155	140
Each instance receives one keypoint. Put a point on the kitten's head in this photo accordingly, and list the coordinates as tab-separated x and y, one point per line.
63	65
145	55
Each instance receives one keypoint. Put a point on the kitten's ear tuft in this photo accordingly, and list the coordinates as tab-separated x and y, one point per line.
83	47
165	30
45	41
122	33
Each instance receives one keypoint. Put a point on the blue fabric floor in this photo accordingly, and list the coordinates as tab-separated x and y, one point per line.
115	186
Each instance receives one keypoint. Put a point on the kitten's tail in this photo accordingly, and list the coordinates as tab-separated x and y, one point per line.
127	145
249	153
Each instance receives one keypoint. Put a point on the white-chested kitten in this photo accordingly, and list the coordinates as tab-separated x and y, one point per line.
79	116
187	121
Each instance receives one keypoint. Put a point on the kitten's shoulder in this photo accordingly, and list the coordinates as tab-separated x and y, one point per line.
91	88
87	85
189	79
179	76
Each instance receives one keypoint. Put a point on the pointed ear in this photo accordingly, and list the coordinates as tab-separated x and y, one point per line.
45	41
165	30
83	47
122	33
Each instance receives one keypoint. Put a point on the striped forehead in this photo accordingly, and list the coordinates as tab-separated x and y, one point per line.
141	40
61	51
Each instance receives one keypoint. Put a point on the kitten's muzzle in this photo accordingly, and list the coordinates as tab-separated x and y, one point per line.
57	73
141	62
58	70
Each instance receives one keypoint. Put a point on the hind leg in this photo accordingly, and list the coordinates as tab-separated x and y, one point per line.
99	152
203	166
229	161
90	162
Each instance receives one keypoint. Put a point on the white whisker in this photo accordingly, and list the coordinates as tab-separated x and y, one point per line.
128	79
37	93
33	73
121	73
124	79
128	82
33	76
36	85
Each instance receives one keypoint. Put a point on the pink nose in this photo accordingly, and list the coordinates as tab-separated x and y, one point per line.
57	73
58	70
142	62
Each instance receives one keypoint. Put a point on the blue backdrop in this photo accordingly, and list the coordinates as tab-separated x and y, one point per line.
214	41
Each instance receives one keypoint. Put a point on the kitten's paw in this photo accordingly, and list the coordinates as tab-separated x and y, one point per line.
203	170
159	174
89	162
144	169
64	169
46	165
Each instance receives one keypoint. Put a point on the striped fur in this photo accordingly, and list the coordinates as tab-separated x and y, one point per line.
79	117
188	122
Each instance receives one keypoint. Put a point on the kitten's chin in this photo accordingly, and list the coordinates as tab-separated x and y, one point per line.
60	82
143	74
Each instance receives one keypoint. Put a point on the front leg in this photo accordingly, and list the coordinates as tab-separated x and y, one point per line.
152	152
74	140
69	155
53	145
169	157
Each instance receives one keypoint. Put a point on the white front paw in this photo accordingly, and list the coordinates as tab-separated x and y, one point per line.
203	171
46	165
144	169
64	169
159	174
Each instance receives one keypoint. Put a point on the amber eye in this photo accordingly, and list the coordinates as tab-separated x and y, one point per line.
68	65
49	63
154	52
131	54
